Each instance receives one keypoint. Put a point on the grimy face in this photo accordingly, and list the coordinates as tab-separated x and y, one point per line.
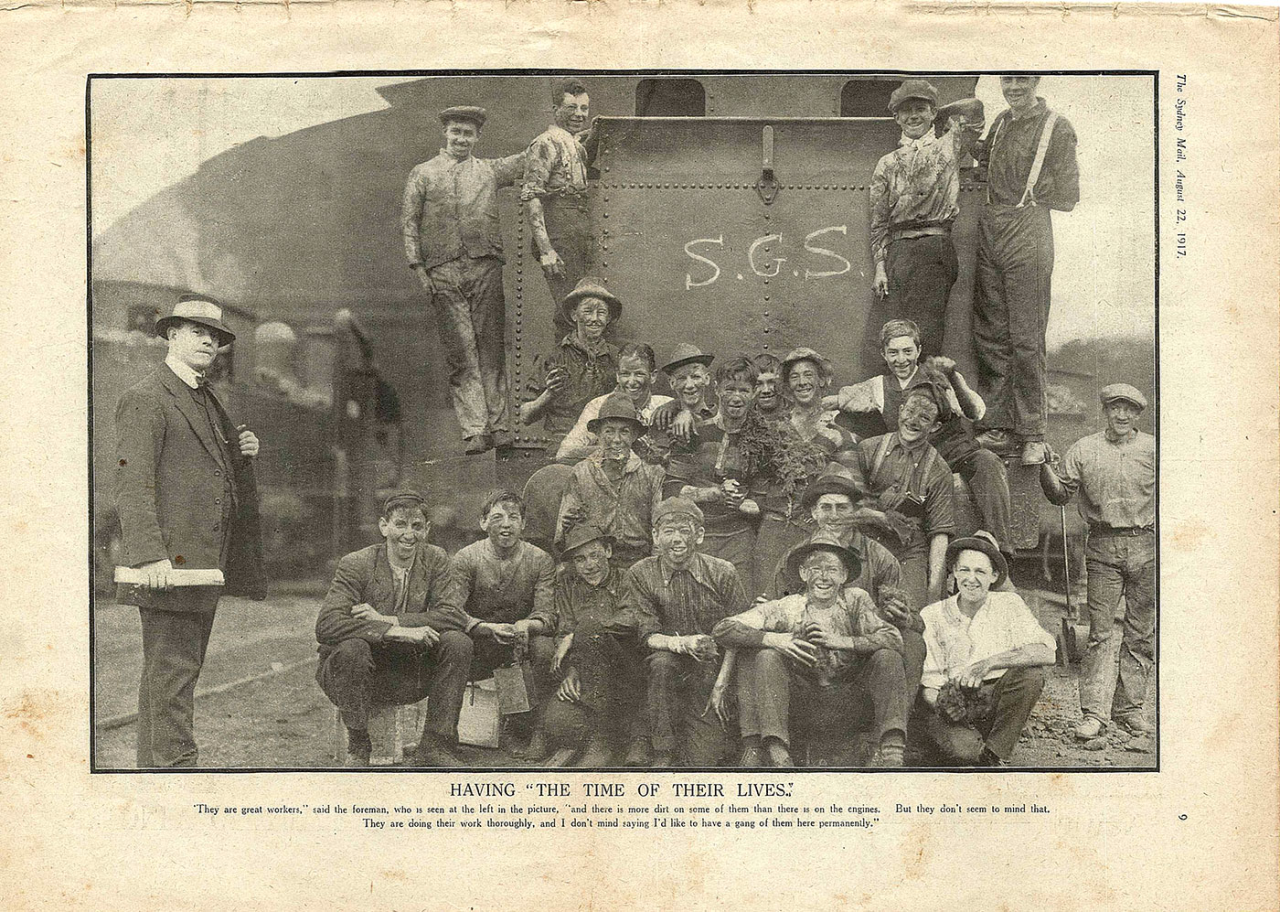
676	538
1122	416
805	381
193	345
735	398
592	316
572	112
768	392
689	383
833	513
460	137
591	561
403	530
915	117
616	438
823	574
634	377
503	524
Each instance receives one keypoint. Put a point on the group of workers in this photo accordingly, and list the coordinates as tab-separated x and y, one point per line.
714	577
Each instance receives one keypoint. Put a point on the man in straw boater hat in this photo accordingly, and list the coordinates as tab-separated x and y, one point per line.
817	661
1114	474
187	500
675	598
986	653
453	242
915	198
584	365
614	488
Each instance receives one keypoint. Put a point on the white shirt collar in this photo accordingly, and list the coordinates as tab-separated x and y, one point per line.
922	143
184	371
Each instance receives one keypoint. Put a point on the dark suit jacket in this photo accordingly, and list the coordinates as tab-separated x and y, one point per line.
170	486
364	576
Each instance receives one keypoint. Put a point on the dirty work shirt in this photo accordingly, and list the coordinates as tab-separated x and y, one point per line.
450	207
486	587
1010	150
623	509
903	472
851	615
582	606
1115	478
953	642
682	601
915	189
579	442
592	373
556	166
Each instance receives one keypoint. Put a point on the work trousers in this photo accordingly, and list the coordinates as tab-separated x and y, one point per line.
735	545
915	575
489	655
1010	314
359	677
988	481
569	229
471	317
679	688
921	272
1119	565
173	649
769	685
1014	695
612	680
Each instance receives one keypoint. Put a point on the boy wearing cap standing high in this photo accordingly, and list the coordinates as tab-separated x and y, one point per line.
915	198
1114	474
187	499
387	636
453	242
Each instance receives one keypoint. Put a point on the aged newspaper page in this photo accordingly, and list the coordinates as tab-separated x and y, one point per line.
180	173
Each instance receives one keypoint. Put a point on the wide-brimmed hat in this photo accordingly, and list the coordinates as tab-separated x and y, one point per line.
591	287
619	408
796	557
835	479
984	542
199	309
1113	391
468	113
583	534
677	506
796	355
686	353
913	88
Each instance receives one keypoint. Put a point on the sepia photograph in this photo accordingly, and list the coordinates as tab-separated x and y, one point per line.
622	420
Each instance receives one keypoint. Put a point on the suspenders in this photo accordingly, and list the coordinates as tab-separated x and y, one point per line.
1046	134
882	451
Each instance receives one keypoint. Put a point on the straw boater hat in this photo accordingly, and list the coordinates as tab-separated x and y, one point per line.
199	309
796	558
686	353
591	287
1124	392
468	113
618	408
835	479
984	542
583	534
913	88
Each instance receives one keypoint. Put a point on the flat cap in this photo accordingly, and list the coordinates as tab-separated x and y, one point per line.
469	113
677	506
1113	391
913	88
796	355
